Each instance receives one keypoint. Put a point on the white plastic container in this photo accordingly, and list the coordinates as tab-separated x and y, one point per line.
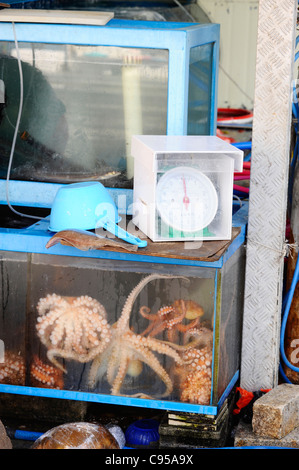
183	187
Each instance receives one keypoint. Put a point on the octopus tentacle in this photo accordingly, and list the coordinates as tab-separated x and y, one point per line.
151	360
170	319
74	355
146	356
145	313
131	345
123	321
157	325
180	347
51	355
121	373
98	368
115	359
162	347
169	325
184	328
49	304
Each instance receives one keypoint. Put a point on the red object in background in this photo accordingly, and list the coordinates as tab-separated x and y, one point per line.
247	165
243	189
244	400
243	175
224	137
233	116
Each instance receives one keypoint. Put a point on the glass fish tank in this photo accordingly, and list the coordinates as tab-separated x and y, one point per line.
131	331
84	90
156	328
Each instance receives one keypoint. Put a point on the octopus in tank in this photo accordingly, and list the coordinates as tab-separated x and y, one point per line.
44	375
194	379
76	328
127	350
12	370
170	319
72	328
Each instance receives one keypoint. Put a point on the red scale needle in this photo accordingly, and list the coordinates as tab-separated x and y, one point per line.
186	200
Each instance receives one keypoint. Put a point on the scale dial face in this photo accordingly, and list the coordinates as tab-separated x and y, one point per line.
186	199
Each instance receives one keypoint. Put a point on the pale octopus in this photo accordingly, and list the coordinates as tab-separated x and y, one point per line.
127	350
72	328
76	328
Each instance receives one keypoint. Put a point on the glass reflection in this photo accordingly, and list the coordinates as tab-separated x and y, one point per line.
81	105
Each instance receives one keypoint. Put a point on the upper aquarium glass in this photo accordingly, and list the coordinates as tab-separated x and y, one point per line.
81	105
200	90
82	91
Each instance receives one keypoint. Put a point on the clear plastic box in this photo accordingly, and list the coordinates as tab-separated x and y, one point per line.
183	187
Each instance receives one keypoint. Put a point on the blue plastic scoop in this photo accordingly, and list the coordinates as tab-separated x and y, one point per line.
119	232
88	206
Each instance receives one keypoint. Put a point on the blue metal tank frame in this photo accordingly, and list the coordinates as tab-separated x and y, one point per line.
36	237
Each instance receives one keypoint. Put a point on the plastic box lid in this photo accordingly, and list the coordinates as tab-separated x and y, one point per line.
186	144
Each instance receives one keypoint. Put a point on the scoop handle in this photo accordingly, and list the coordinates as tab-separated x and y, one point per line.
119	232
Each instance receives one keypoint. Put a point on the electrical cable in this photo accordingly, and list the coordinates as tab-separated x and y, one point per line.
16	130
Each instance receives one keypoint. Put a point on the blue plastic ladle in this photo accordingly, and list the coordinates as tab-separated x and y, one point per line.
105	222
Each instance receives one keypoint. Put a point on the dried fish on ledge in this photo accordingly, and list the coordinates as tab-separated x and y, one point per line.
84	240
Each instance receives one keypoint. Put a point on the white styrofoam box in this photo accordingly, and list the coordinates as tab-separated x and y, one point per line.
183	186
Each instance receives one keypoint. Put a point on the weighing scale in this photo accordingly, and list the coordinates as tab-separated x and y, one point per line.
183	187
186	199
